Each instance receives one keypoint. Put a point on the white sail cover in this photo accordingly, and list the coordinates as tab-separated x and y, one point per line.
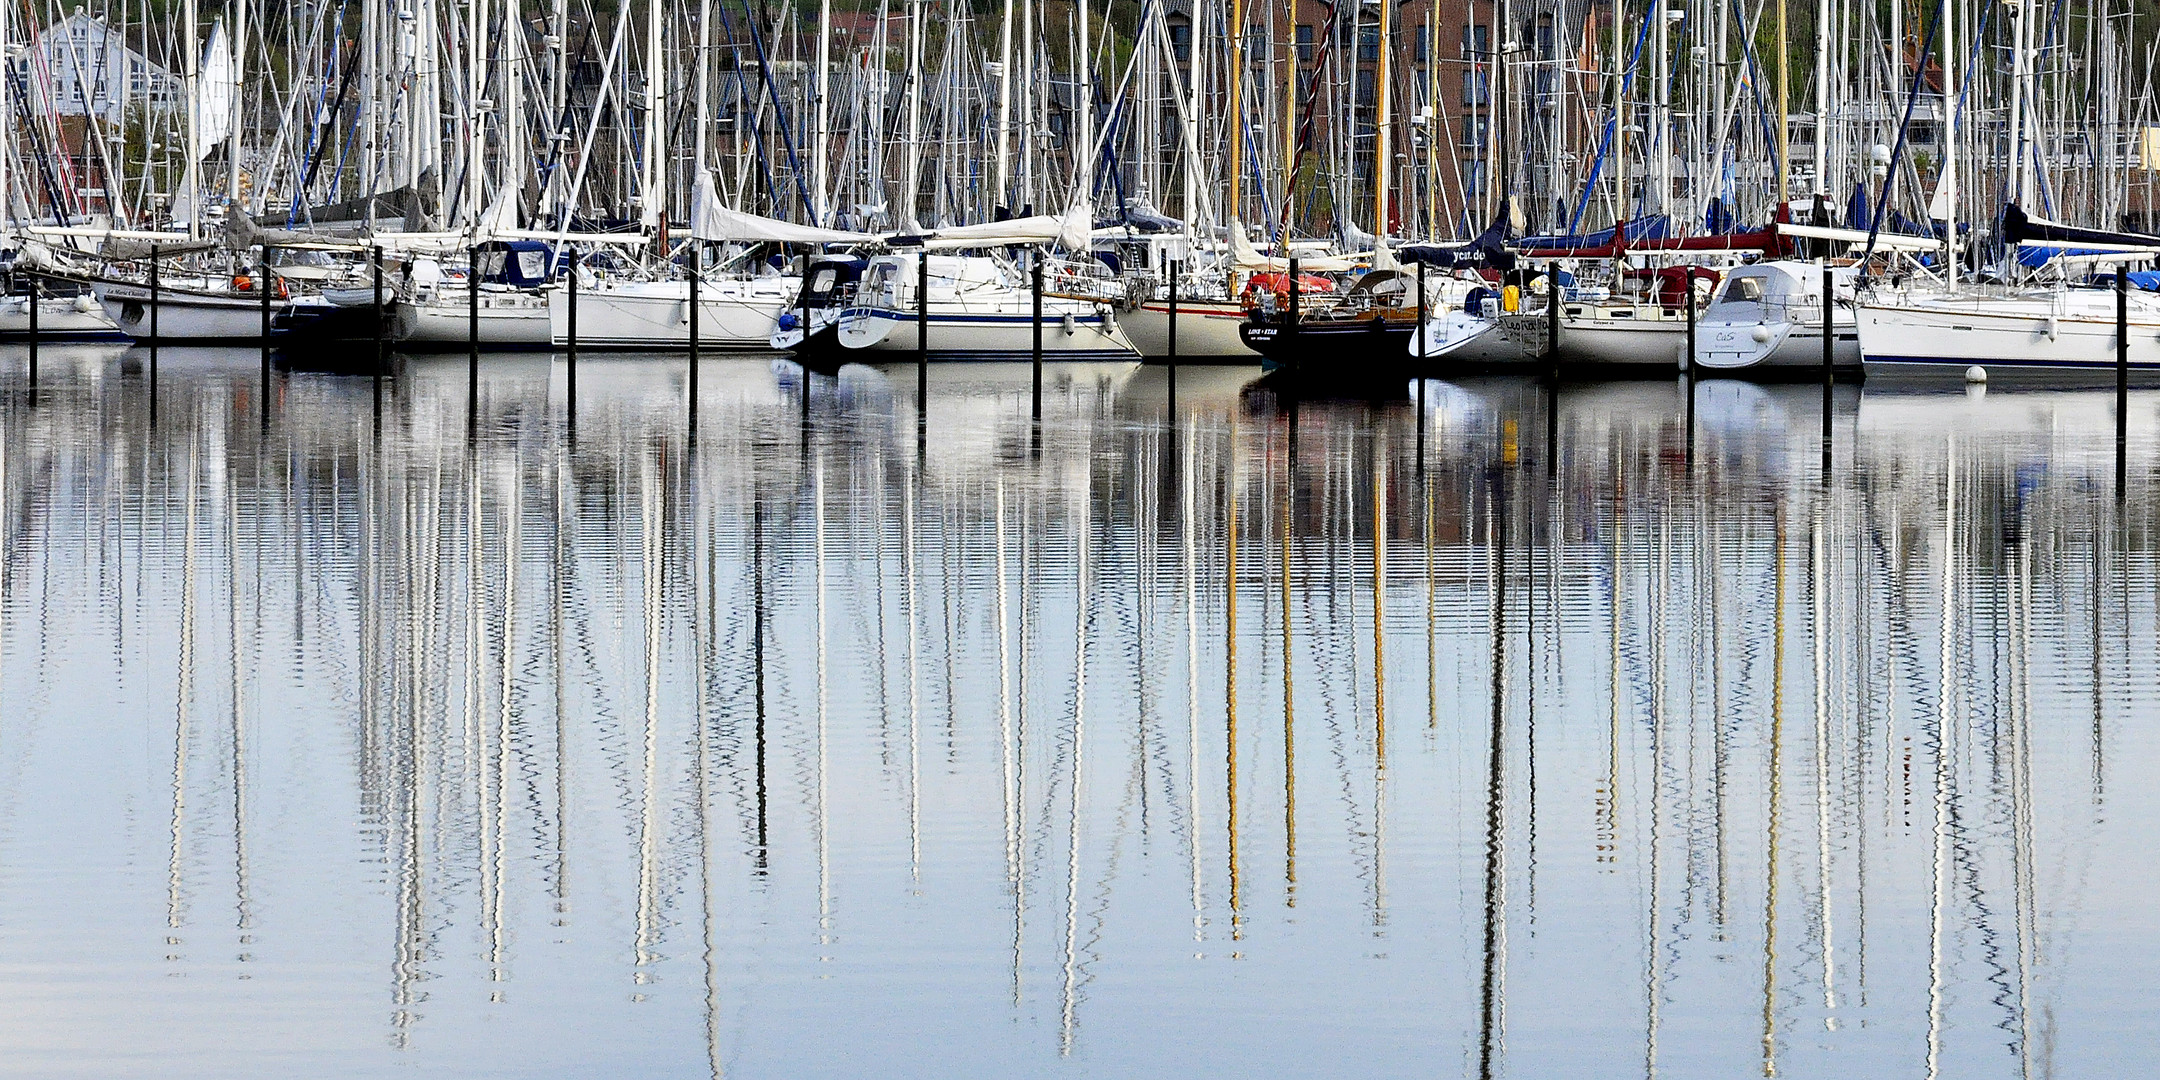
500	219
1070	230
1246	257
712	220
214	94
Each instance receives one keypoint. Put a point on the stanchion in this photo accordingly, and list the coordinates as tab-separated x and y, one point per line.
31	285
1687	300
2122	380
1422	371
472	316
922	356
262	290
1290	327
375	261
570	333
922	308
1173	315
697	272
153	309
1552	317
1035	291
1829	332
803	350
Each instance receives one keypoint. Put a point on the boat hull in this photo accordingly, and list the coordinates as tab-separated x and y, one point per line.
2037	335
1206	330
58	319
656	315
201	318
1068	334
1372	346
1791	349
1458	341
507	321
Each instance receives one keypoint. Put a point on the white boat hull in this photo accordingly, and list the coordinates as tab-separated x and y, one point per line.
518	320
1460	339
182	315
2040	333
1070	330
1639	342
58	319
1206	330
1733	345
656	315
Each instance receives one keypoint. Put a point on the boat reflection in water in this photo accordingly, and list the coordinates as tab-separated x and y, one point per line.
466	727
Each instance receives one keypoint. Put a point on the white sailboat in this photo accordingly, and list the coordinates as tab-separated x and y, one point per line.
1769	316
977	307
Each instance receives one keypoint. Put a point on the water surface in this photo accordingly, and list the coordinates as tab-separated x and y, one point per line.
459	726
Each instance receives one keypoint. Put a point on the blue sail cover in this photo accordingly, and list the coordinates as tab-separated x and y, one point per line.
1489	248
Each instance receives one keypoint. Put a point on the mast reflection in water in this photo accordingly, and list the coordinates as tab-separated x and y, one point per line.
470	729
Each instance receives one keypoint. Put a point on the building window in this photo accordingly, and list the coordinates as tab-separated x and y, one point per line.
1473	130
1305	43
1545	37
1476	42
1423	49
1475	89
1181	41
1367	89
1368	43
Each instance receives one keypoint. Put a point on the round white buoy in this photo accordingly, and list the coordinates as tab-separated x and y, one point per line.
1976	374
1761	334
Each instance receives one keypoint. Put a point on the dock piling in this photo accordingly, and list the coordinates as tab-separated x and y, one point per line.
31	285
1035	289
1174	267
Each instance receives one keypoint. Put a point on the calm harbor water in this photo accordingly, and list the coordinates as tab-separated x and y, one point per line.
428	727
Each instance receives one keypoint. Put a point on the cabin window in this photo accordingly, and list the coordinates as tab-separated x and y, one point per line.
1741	292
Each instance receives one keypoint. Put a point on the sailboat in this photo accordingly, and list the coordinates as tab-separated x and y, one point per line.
976	307
1921	325
1768	317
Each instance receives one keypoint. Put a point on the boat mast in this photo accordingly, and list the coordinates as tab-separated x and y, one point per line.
704	89
239	94
511	91
7	113
475	121
1784	111
654	183
1084	58
1659	139
1822	96
1616	71
191	89
822	131
1233	93
1004	105
1946	194
911	181
2022	16
1383	145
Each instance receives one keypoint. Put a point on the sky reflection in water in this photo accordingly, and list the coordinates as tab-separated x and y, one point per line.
454	737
